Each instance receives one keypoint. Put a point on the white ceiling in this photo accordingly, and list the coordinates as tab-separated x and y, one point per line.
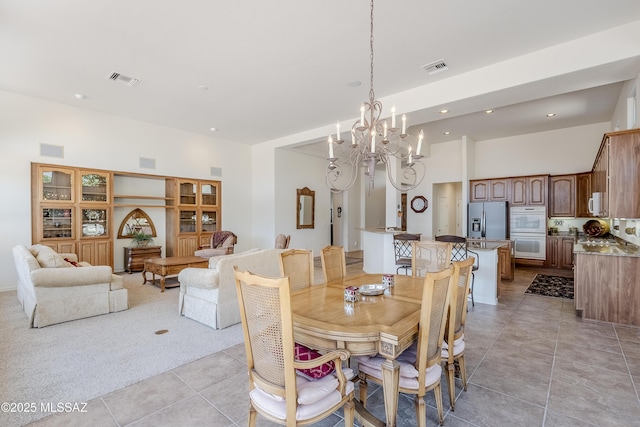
278	68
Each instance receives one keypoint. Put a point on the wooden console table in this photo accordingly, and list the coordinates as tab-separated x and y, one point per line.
134	256
170	266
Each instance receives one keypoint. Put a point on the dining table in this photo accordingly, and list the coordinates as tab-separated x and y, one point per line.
384	324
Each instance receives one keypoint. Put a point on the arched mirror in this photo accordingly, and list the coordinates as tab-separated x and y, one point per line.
305	208
136	221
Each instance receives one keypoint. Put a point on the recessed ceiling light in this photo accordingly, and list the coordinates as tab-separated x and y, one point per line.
447	133
444	111
203	88
355	83
213	129
80	96
551	114
489	111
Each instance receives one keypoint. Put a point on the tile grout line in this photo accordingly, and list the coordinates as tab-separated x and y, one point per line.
553	367
626	362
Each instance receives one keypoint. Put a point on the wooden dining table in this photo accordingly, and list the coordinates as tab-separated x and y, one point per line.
385	324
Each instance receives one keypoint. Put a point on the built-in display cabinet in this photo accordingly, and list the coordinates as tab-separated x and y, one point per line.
194	215
73	210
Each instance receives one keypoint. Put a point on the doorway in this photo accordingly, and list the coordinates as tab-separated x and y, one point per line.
447	214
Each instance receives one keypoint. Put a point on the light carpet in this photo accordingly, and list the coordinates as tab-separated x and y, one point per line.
80	360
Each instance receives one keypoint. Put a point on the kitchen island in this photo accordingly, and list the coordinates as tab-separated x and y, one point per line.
607	281
486	277
378	252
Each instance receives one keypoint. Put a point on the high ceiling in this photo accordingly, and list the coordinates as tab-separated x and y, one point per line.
261	71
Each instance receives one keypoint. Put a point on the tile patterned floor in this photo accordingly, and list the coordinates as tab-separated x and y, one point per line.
530	362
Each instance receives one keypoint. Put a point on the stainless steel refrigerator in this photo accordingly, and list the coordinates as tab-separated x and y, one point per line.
488	220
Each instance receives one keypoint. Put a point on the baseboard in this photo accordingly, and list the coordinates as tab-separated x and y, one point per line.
530	262
13	288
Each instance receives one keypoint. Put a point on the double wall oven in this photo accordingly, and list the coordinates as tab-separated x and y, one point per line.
528	226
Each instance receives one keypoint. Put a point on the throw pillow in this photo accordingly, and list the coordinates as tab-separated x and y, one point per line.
73	263
48	258
304	353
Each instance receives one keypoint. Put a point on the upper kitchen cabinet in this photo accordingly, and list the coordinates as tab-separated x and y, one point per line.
621	191
495	190
562	196
529	190
583	193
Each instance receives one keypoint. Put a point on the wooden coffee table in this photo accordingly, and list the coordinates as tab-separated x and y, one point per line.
170	266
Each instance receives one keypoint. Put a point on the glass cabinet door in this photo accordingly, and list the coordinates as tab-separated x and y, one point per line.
94	222
56	184
94	187
187	221
57	223
209	194
188	193
209	219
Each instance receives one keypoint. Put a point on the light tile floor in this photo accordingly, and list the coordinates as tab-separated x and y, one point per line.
530	362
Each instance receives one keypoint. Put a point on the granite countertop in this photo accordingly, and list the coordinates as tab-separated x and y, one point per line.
383	230
483	244
614	249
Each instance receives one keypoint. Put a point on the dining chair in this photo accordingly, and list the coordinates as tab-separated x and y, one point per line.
402	250
453	345
297	264
282	241
429	256
276	389
334	265
420	369
460	252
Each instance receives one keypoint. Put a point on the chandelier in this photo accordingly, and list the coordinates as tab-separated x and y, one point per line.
374	142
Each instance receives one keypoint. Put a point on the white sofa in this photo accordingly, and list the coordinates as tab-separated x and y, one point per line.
208	295
52	290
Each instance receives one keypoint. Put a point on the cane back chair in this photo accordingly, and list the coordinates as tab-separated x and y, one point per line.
429	256
276	391
297	264
420	369
334	264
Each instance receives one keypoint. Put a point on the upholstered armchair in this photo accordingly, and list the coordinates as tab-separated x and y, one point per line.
222	243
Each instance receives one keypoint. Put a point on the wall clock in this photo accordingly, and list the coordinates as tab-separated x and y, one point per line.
419	204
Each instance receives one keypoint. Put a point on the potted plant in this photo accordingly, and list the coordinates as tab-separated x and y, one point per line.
140	238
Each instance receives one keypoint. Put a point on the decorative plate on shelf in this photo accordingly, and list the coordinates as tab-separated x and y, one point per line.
371	290
92	230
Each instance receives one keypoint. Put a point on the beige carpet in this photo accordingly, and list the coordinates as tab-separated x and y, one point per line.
80	360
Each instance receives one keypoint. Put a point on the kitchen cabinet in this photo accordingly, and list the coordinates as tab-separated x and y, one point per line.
494	190
192	221
506	262
615	174
559	252
71	211
583	193
562	196
529	190
606	288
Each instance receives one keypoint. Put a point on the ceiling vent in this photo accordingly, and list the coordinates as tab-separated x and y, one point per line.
129	81
436	67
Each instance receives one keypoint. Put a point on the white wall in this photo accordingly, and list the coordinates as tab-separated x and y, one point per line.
299	171
570	150
95	140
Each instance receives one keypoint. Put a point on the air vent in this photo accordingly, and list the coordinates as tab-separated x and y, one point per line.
436	67
129	81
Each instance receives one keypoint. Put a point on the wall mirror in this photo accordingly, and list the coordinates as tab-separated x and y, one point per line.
136	221
305	208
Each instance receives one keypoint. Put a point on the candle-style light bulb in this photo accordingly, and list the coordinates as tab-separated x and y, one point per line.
384	125
420	138
353	138
330	147
373	141
393	116
404	124
338	131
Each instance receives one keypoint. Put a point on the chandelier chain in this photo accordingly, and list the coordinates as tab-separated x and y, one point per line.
371	93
